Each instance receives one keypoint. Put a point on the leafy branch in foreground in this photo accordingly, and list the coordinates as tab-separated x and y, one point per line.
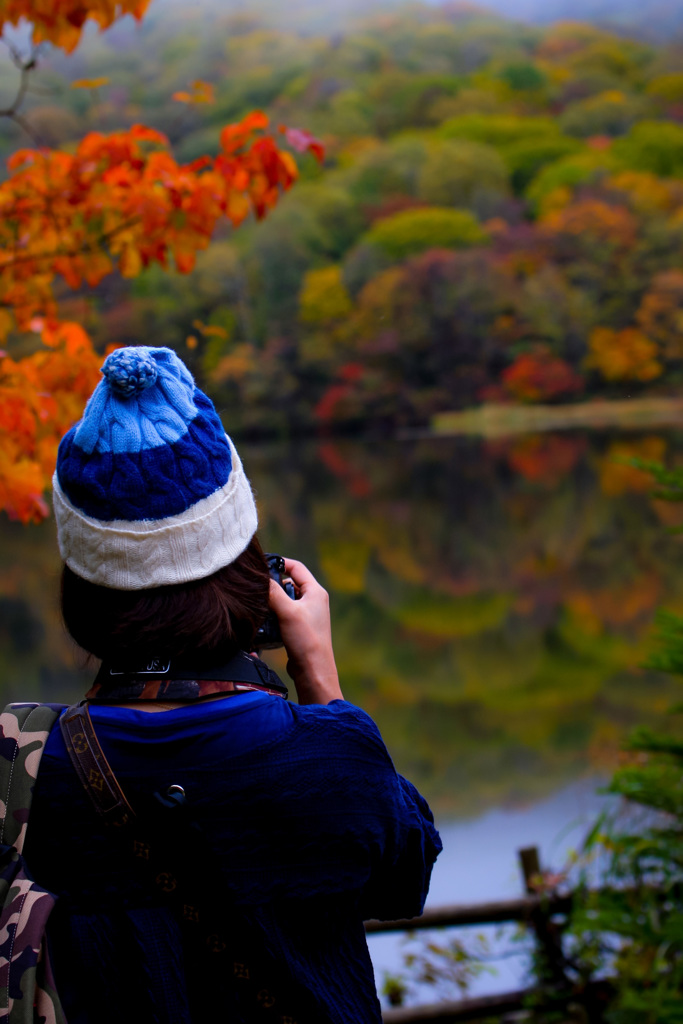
117	203
61	22
627	923
446	964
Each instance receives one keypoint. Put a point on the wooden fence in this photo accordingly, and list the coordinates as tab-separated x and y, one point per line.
537	912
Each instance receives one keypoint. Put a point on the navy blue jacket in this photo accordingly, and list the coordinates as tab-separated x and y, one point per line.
310	831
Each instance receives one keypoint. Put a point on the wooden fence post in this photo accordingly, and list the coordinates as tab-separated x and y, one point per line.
548	934
531	868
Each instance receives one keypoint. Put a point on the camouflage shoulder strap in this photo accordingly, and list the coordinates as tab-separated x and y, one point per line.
27	990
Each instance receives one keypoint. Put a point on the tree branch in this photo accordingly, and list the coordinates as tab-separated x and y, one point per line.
25	69
17	58
90	246
33	135
25	66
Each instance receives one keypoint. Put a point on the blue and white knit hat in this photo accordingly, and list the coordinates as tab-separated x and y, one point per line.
149	489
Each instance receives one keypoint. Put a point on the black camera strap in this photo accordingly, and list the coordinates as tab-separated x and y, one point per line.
163	679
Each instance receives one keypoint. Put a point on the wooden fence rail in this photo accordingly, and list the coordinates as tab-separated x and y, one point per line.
458	915
460	1010
534	910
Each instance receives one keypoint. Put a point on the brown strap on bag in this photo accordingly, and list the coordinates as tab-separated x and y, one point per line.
92	766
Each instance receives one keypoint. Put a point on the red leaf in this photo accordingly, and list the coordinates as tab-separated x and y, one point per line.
304	142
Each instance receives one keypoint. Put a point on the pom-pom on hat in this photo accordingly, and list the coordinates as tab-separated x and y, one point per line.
149	489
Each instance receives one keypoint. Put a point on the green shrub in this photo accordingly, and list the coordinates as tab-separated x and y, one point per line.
434	227
610	113
387	169
400	100
655	146
498	130
569	172
667	88
527	157
524	76
458	173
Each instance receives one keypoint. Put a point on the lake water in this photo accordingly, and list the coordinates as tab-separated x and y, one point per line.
479	864
492	606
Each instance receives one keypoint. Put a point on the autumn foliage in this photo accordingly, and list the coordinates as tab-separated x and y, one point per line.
540	376
61	21
121	202
507	233
544	459
40	397
117	202
627	354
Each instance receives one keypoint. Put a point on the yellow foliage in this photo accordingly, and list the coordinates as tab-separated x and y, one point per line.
438	615
594	218
400	559
554	201
323	298
130	262
202	92
669	513
344	563
6	323
619	476
236	365
211	330
555	73
567	38
617	605
379	302
610	96
667	87
660	313
647	192
89	83
623	355
356	148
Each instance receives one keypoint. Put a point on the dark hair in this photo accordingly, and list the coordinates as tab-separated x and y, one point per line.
205	621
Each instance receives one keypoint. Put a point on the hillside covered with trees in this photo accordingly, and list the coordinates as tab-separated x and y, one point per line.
499	216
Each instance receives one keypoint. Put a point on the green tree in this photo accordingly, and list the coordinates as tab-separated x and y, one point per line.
524	76
400	100
323	297
527	157
388	169
610	113
666	88
500	130
462	173
655	146
414	231
570	172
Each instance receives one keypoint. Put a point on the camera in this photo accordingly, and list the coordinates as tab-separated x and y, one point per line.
268	636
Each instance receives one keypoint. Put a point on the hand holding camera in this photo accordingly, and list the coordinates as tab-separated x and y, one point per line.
307	635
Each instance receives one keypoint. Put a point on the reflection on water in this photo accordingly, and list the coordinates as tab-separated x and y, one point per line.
491	601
